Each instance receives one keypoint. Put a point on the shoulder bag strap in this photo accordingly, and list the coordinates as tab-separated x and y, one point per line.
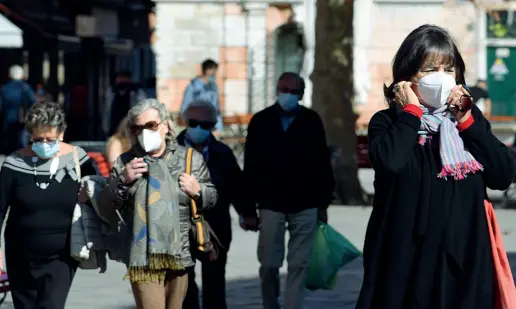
189	155
77	164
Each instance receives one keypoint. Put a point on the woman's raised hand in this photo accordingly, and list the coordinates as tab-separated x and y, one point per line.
454	99
404	94
134	170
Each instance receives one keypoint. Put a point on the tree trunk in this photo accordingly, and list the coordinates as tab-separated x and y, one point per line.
333	93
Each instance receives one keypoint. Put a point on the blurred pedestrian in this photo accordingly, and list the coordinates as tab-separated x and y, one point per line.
204	87
16	97
119	143
200	117
427	243
481	97
122	97
150	189
288	175
77	110
42	95
39	184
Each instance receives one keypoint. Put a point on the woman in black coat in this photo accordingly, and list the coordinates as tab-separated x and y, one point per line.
427	244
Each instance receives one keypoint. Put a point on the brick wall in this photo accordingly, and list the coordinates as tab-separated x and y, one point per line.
186	34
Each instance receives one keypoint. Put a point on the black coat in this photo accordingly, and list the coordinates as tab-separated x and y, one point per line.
227	178
288	171
427	244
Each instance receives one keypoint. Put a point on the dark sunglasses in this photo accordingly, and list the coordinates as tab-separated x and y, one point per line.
151	125
206	125
289	90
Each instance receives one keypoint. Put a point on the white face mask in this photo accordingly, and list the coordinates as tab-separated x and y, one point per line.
435	88
150	140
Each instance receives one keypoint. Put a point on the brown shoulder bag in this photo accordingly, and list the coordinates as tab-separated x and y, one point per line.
205	244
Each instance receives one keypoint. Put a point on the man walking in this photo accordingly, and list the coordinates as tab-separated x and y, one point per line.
289	177
481	97
16	97
204	88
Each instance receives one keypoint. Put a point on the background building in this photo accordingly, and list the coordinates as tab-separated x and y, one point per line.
241	36
381	26
246	38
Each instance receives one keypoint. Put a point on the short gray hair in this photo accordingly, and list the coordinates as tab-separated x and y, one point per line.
16	72
45	115
144	105
202	104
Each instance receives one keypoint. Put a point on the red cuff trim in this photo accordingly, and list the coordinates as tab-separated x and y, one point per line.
414	110
466	124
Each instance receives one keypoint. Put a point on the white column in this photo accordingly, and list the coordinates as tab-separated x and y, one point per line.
258	57
305	14
482	44
362	27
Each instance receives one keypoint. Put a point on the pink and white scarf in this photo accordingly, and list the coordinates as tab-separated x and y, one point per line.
456	161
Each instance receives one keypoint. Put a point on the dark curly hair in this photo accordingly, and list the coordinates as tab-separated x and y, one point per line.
45	115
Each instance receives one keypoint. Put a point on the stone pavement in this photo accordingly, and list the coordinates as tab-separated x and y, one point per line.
109	291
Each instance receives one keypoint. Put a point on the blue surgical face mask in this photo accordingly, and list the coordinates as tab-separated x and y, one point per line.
46	150
197	135
211	79
289	102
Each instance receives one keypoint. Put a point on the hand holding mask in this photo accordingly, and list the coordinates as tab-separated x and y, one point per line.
460	103
404	94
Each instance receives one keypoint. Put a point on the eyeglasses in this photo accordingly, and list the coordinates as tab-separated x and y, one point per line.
51	141
289	90
206	125
151	125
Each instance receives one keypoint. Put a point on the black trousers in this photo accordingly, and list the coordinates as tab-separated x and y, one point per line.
213	285
42	283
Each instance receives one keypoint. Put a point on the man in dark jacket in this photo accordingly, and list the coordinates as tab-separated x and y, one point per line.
288	176
201	117
16	97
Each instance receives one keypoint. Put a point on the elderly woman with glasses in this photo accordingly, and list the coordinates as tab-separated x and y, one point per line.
152	193
40	185
201	118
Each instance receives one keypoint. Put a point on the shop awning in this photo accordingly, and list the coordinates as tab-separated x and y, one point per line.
10	35
111	46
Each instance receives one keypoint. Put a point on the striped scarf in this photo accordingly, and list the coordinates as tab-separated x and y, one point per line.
456	161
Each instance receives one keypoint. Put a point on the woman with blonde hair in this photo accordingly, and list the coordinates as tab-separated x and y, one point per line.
118	143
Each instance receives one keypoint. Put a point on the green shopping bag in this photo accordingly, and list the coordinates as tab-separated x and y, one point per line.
331	252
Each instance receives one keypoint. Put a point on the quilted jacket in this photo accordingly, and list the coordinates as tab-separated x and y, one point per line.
120	211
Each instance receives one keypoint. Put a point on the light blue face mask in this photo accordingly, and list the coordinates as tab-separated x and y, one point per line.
289	102
212	79
46	150
197	135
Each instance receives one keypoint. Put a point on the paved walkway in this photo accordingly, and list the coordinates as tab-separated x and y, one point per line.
109	291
